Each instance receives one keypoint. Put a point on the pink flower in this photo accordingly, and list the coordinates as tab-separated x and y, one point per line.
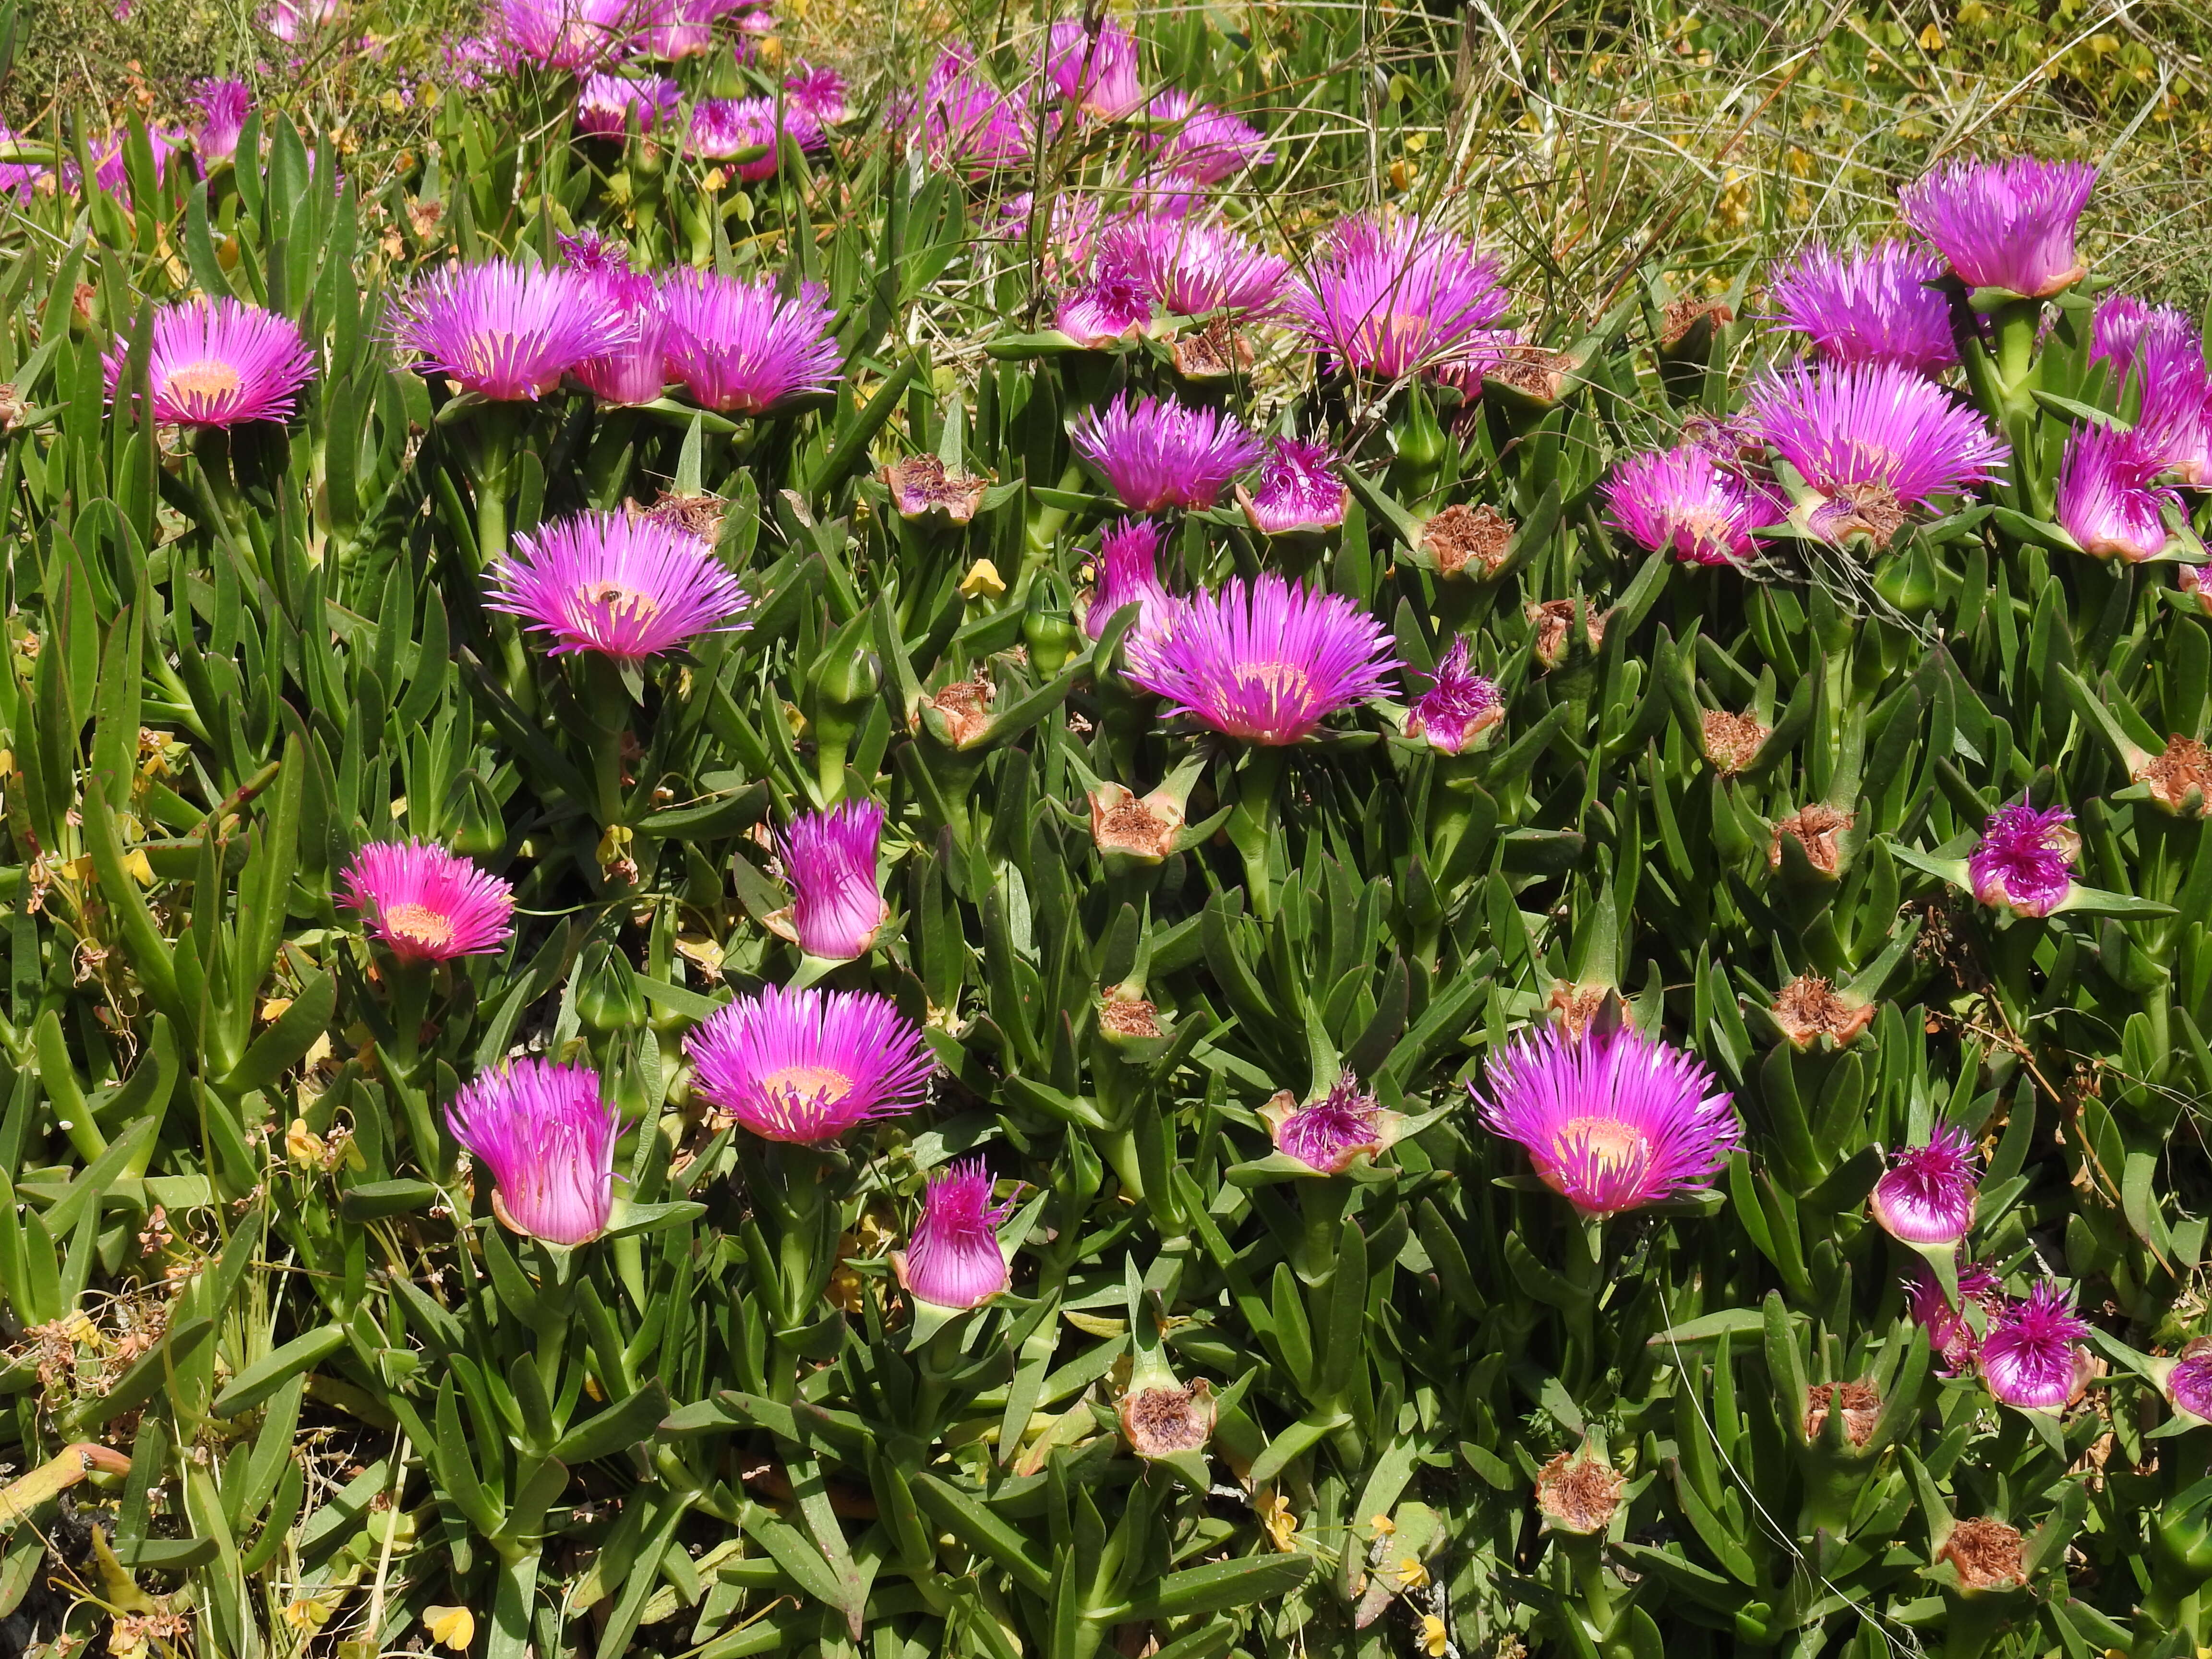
1459	706
2025	861
953	1259
740	347
965	121
222	105
425	903
2004	224
749	133
625	588
1157	452
1299	490
806	1065
1869	306
610	106
1927	1195
1957	1344
634	368
1127	572
1200	143
2029	1358
830	858
548	1138
220	364
1327	1135
502	329
1195	267
2107	499
1387	297
1681	500
1096	72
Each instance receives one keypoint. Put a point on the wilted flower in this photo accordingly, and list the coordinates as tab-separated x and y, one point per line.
610	106
1386	297
1267	662
1157	452
1876	440
624	587
1193	267
1733	743
1299	490
1140	827
1818	829
740	347
219	363
1874	306
1579	1493
1327	1135
1927	1195
1097	73
548	1137
919	484
1679	501
1114	305
1459	707
1809	1008
2189	1384
426	904
1128	572
966	121
830	858
2030	1358
1552	622
1857	1404
1200	143
2178	777
1614	1121
2107	499
502	329
222	105
1986	1554
568	34
1950	1332
806	1065
819	93
1476	541
2004	224
749	133
1162	1421
953	1259
2026	859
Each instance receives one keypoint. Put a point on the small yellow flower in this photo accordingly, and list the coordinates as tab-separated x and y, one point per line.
303	1146
1435	1640
1275	1515
1410	1574
1931	39
982	581
1383	1526
450	1627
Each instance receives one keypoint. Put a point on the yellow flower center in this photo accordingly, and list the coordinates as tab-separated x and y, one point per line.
420	923
808	1082
619	600
211	377
1283	681
1606	1145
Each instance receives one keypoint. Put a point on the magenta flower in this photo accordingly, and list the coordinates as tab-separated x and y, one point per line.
1612	1122
219	363
1114	305
965	121
748	132
1267	663
610	106
1196	267
2025	861
568	34
2004	224
2107	500
1681	500
2117	328
1198	142
830	858
222	105
1387	297
425	903
290	20
19	178
2028	1358
1070	233
817	92
953	1259
1299	490
1927	1195
548	1137
1875	439
2189	1384
2175	423
502	329
1097	73
111	169
742	348
1157	452
1459	706
1957	1344
1127	572
806	1065
625	588
681	28
633	369
1328	1134
1870	307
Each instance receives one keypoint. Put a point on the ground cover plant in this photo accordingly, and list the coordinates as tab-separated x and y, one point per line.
1061	857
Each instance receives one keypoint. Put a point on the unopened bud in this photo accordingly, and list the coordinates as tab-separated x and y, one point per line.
607	997
479	826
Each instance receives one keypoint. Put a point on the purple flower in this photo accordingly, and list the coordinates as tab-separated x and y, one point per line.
222	105
548	1137
2107	500
1957	1344
742	348
633	369
568	34
18	179
806	1065
1613	1122
502	329
1195	267
1327	1136
1679	500
425	903
110	169
610	106
748	132
1927	1195
1388	297
953	1259
681	28
830	858
2175	424
1072	229
2029	1358
1200	143
1870	307
1114	305
220	364
965	121
1267	663
1127	572
2189	1384
2004	224
1157	452
817	92
288	20
1875	439
625	588
1097	73
2118	324
1299	489
1459	706
2025	861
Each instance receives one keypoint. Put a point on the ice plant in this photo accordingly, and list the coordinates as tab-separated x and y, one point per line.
2118	325
2108	499
952	1259
1872	305
819	93
830	858
547	1134
610	106
741	348
1387	296
1200	143
2004	225
806	1065
220	364
2029	1357
1612	1121
290	20
1957	1344
749	133
222	105
1157	452
1875	440
620	586
567	34
633	367
505	331
2025	861
1680	500
1927	1195
2189	1384
681	28
967	122
1327	1135
1459	706
1299	490
1096	72
1195	267
425	903
2174	426
1267	662
1127	571
1114	305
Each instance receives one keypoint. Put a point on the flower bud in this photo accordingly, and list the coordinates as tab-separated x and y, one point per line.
952	1259
846	676
1049	633
1927	1197
1579	1493
607	997
479	826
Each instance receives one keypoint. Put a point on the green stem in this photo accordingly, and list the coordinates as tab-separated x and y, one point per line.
1321	1205
607	707
513	1600
1585	1251
411	1006
1252	823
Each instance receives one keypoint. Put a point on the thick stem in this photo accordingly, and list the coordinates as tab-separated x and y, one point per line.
607	707
513	1600
1252	823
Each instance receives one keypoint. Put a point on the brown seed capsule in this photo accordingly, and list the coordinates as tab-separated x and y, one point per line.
2179	778
1162	1422
1985	1554
1143	827
1553	617
1858	1402
1579	1493
1465	540
1128	1017
1684	314
1733	741
1808	1009
966	706
1815	828
1532	371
